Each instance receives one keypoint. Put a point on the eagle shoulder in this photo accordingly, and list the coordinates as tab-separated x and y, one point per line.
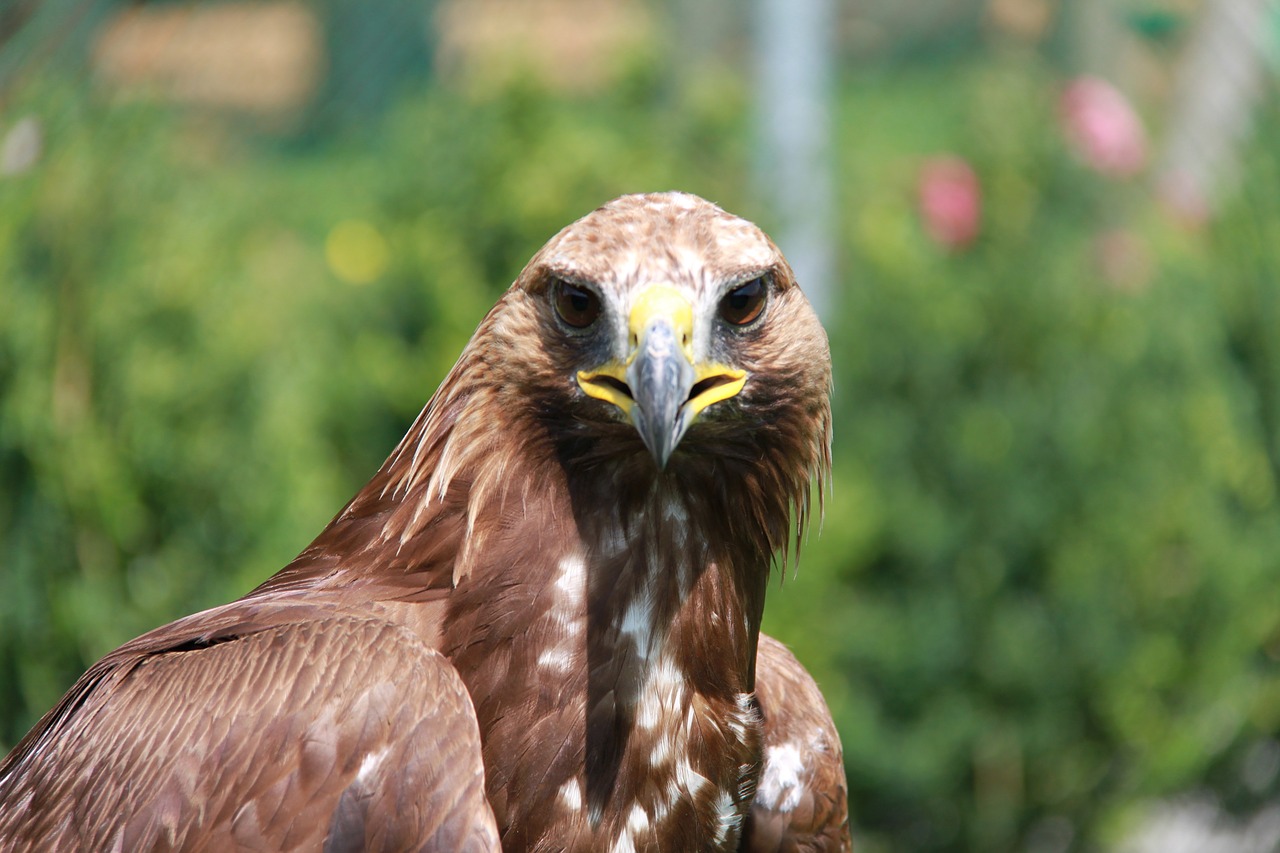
801	801
281	728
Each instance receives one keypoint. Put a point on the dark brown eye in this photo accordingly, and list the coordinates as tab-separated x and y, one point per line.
744	303
576	306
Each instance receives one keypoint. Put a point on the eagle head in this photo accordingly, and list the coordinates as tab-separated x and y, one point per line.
655	353
672	337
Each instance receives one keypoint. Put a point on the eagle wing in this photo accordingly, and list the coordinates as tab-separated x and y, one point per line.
801	801
256	728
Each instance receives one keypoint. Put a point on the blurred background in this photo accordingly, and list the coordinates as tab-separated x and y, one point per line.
241	241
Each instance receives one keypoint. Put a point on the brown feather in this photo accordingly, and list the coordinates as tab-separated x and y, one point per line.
266	717
801	805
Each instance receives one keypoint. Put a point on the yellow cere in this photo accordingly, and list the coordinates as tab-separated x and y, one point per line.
665	302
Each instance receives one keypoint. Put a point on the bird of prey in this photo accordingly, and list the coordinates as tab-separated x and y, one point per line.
537	628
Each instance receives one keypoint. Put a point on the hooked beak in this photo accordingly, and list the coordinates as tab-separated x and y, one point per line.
658	386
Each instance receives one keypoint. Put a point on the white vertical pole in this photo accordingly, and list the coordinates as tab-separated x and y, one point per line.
794	41
1220	84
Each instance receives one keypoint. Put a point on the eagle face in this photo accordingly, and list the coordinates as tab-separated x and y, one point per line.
667	323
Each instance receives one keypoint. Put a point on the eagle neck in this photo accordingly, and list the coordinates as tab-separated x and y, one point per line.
673	615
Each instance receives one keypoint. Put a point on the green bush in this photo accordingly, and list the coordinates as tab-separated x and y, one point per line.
1049	571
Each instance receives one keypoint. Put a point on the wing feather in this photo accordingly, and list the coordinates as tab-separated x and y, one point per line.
336	732
801	801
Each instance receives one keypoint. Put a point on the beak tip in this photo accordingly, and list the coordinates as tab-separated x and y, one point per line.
661	443
662	458
656	441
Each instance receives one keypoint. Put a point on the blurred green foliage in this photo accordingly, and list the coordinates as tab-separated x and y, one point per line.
1050	567
1045	591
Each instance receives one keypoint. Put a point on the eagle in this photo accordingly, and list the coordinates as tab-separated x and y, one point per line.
537	627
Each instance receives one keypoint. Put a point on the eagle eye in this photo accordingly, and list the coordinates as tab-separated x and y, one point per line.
577	306
744	303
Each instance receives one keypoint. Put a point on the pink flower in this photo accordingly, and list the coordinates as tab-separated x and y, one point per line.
1102	128
950	201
